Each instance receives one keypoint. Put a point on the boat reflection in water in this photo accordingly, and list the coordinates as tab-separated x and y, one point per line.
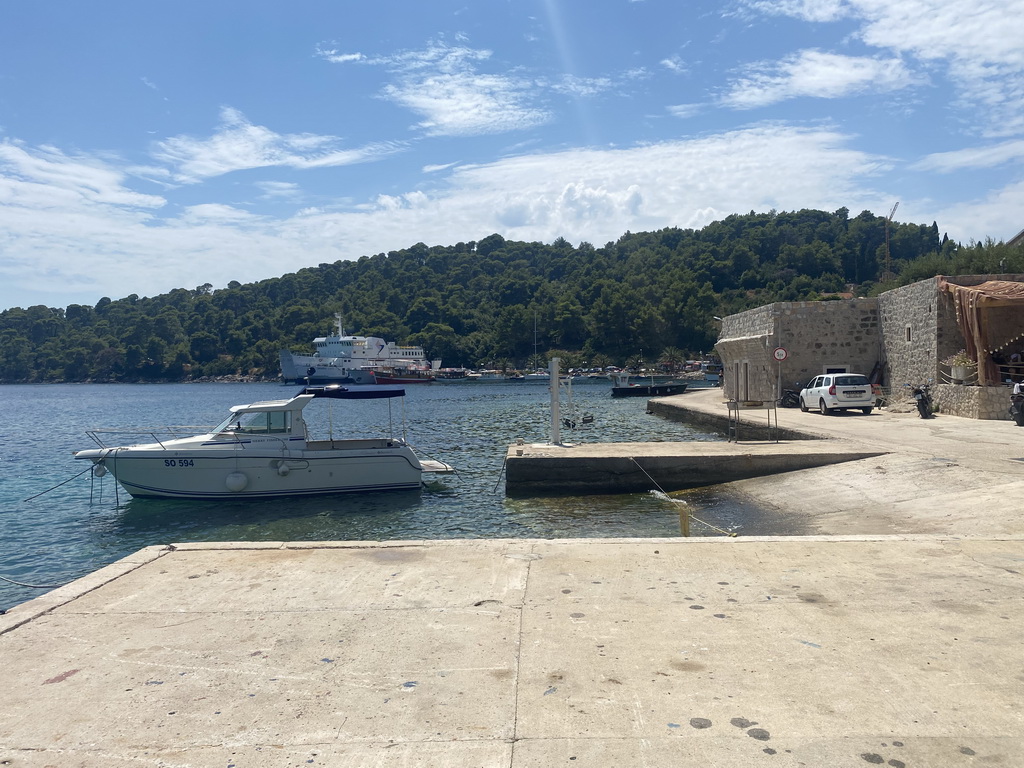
264	450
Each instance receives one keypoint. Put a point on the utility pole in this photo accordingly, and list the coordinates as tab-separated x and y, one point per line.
887	274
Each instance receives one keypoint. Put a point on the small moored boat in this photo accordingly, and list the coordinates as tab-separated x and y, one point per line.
623	387
263	450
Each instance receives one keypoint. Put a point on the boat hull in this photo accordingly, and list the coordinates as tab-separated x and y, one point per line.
383	378
236	474
320	370
649	390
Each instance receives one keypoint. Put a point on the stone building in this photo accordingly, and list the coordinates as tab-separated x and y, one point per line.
900	337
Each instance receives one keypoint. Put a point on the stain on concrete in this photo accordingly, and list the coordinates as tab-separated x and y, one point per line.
700	722
61	677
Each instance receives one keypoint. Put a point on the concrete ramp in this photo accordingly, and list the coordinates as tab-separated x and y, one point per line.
541	469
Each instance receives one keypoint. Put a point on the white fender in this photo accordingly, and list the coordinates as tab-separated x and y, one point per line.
98	470
236	481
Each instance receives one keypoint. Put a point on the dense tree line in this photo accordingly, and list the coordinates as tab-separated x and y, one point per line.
494	303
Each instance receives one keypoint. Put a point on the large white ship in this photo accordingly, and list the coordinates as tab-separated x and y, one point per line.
357	360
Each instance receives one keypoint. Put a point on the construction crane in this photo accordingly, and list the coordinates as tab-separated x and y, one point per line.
887	274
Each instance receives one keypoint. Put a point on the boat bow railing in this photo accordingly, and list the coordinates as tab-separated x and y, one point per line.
169	433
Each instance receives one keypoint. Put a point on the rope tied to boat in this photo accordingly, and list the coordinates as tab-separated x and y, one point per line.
30	586
731	534
58	485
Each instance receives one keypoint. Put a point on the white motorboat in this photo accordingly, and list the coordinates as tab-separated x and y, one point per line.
262	450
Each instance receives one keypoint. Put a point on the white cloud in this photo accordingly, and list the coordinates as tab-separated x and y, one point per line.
578	87
339	58
978	40
684	111
808	10
46	177
281	190
674	64
991	156
436	168
214	213
238	145
996	216
443	85
816	74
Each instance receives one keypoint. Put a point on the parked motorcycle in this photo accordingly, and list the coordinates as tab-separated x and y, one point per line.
790	397
1017	409
923	398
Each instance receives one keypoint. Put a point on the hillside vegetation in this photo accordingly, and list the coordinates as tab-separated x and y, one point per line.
493	303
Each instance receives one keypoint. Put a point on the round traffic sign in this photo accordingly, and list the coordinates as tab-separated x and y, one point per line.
780	354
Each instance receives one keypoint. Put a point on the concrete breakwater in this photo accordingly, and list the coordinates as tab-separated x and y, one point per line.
539	469
763	447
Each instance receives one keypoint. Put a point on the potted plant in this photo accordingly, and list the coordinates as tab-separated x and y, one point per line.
961	365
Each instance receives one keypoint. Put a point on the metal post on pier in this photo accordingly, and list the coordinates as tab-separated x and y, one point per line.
556	435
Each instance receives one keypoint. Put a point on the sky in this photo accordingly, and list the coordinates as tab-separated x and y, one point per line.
150	146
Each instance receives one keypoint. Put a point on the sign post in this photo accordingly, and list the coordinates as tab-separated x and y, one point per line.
779	354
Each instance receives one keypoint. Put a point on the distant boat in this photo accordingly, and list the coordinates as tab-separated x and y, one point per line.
349	359
622	387
712	371
398	375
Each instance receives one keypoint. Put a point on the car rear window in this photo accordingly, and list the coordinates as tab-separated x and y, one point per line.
851	381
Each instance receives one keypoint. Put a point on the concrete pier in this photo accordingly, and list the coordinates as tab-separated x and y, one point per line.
544	469
839	652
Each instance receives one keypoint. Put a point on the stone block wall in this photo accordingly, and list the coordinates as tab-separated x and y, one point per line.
973	402
909	318
817	335
753	322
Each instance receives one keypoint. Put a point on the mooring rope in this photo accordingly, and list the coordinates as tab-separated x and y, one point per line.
58	485
31	586
500	473
731	534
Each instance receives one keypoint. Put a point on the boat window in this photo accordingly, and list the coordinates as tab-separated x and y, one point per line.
262	423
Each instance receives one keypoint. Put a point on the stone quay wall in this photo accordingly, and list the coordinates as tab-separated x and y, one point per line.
973	402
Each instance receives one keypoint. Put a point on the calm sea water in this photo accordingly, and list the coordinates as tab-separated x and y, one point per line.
85	524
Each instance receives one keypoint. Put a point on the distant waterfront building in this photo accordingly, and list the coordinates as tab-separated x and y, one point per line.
897	338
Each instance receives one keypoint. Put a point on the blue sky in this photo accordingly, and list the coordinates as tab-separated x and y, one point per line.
146	146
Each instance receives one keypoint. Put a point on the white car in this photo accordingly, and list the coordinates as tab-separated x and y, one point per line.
837	392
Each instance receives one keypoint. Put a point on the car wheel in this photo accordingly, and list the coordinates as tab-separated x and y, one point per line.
824	409
803	406
867	411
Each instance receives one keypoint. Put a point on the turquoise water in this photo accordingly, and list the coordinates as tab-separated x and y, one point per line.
85	524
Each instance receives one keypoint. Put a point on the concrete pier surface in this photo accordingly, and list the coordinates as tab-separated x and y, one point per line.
947	474
813	651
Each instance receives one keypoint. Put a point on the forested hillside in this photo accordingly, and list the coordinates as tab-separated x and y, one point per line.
479	304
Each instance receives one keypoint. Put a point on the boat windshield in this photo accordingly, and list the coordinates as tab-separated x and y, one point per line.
258	423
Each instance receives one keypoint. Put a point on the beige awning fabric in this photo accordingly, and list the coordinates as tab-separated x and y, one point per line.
970	302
